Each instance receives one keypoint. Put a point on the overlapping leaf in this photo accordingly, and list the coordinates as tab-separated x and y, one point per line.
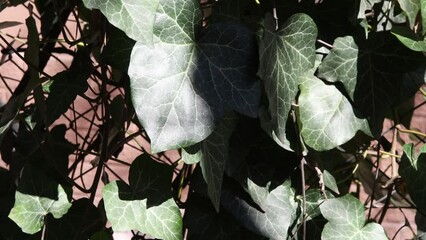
346	220
285	55
29	210
410	39
411	9
213	154
413	171
274	222
135	17
181	89
327	117
145	205
373	71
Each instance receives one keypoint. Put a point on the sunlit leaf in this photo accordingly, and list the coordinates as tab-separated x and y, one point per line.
274	222
285	55
180	91
411	9
327	117
29	211
135	17
346	220
147	204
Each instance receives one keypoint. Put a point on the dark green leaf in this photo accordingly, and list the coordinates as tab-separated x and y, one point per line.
180	91
80	222
285	55
150	179
373	72
346	220
67	85
135	18
117	50
213	154
29	211
326	115
413	171
6	24
203	222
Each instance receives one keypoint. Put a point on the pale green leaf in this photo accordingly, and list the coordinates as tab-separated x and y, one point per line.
413	171
285	55
213	154
279	214
29	211
330	181
147	204
410	39
327	117
346	220
411	9
161	221
423	15
180	91
135	17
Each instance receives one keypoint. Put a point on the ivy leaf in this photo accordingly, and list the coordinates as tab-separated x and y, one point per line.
213	155
326	115
81	221
409	39
413	171
118	49
180	91
330	181
162	221
314	198
275	221
411	9
147	204
346	220
423	14
285	55
29	211
67	85
135	17
371	71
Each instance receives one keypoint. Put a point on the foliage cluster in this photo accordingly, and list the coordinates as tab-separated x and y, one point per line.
273	106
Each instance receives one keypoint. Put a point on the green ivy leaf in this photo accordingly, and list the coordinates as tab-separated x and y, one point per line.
326	115
413	171
180	91
346	220
330	181
371	71
285	55
147	204
314	198
81	221
162	221
409	39
411	9
423	14
118	49
135	18
213	154
67	85
29	211
280	212
203	222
